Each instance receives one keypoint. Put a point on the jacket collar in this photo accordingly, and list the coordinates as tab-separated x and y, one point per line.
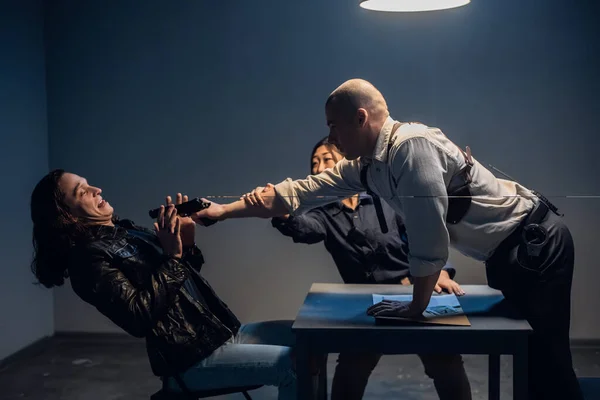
116	232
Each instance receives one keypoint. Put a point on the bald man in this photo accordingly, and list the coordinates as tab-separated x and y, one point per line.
445	197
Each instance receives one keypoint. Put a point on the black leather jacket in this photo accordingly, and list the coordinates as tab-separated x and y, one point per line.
140	290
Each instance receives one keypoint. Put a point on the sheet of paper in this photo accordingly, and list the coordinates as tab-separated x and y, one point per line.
438	305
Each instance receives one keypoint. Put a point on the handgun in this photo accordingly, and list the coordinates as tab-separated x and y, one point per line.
188	208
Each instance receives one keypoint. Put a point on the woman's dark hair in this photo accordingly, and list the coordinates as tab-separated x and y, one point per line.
54	231
323	142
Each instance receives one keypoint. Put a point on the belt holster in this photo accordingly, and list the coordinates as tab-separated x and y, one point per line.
524	246
533	235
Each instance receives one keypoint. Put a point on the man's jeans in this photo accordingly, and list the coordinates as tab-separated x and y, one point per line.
260	354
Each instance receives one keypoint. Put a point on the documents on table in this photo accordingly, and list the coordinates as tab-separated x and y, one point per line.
439	310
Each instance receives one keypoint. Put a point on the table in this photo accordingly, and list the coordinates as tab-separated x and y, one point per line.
333	319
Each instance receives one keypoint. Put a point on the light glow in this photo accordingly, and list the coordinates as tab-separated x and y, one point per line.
411	5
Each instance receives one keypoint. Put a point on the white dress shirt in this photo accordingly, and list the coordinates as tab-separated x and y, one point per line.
413	179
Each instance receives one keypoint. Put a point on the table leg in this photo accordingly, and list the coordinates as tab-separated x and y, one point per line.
304	379
494	377
520	371
322	386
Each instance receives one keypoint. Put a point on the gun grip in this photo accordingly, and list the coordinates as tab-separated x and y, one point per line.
208	221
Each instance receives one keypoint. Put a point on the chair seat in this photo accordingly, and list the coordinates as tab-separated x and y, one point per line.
202	394
590	386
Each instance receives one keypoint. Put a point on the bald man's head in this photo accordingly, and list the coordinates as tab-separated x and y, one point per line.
355	94
356	111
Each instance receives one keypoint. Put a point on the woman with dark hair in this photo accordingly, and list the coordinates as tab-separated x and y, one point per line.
56	228
149	284
362	253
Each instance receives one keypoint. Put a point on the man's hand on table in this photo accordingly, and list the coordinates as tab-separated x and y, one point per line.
423	288
392	308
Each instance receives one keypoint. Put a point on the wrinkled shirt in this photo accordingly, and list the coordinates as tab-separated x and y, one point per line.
411	171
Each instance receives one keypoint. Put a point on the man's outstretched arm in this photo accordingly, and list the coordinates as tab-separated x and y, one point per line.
293	197
272	206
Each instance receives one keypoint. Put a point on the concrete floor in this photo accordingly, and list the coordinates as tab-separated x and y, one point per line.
115	368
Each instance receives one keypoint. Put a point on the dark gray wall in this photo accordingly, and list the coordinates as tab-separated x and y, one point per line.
27	310
214	98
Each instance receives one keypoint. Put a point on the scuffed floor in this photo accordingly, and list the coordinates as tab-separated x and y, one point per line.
116	368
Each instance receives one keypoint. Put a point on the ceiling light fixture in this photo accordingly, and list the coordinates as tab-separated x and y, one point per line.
411	5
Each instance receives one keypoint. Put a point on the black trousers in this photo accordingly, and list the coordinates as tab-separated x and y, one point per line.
353	370
539	289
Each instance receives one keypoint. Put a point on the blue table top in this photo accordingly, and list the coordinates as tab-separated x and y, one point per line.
343	307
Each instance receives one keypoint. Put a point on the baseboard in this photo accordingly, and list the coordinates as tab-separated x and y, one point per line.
28	351
585	343
41	344
104	337
77	334
124	337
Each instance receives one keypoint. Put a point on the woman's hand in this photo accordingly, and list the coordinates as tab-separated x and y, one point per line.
445	283
187	224
167	228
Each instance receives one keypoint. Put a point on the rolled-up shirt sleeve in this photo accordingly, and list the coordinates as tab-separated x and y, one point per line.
329	186
418	167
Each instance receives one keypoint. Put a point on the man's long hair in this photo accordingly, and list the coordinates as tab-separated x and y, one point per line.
55	231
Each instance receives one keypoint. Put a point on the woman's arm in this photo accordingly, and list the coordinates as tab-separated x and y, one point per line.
308	228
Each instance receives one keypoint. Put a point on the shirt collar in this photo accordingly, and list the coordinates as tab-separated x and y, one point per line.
381	146
363	198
